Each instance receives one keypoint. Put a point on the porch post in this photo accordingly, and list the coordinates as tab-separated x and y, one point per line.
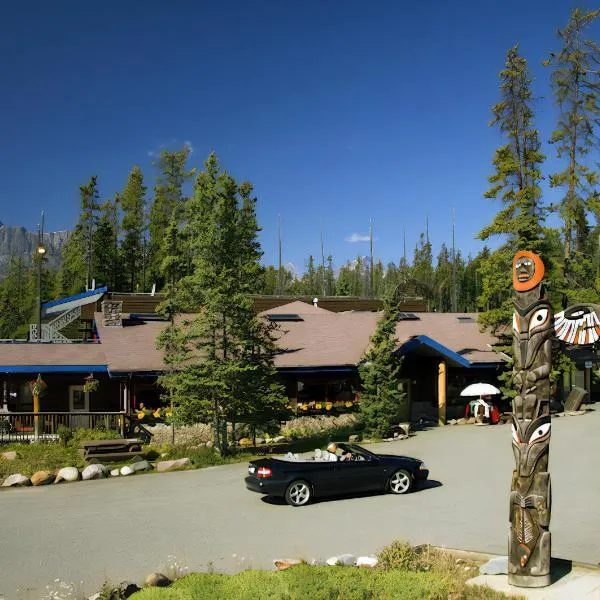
36	409
442	392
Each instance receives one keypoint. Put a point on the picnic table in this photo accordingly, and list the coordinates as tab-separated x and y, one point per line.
110	449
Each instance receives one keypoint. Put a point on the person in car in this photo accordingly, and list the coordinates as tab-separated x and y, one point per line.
331	452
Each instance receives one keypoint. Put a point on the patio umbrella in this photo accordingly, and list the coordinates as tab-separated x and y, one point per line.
480	389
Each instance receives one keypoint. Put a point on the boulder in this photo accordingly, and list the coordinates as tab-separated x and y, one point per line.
210	444
352	439
461	421
452	422
16	480
495	566
67	474
242	442
285	563
347	560
157	580
471	420
124	590
280	439
42	478
366	561
115	473
94	472
9	455
141	465
173	465
259	441
127	470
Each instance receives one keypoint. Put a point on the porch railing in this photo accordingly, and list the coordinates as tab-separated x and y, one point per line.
44	426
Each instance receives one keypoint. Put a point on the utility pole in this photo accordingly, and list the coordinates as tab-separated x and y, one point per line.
371	258
40	251
323	289
454	290
279	270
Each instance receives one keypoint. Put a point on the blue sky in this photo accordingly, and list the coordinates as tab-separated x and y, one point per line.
337	111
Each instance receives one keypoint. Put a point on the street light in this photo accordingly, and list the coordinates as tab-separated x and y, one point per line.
41	250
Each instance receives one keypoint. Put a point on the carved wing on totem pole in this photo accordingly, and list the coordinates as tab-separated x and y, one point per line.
529	545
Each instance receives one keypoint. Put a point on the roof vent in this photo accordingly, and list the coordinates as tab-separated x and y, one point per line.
284	317
465	319
408	317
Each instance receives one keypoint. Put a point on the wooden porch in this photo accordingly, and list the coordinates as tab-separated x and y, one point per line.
25	427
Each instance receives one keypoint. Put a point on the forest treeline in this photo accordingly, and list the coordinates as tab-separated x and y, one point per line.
129	241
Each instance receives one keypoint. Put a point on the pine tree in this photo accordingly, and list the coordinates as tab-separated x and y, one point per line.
222	360
382	403
105	249
17	299
516	183
88	221
133	203
576	86
169	202
422	272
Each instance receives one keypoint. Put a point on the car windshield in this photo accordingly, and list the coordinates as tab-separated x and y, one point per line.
357	450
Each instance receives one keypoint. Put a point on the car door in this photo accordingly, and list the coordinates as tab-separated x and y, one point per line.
360	475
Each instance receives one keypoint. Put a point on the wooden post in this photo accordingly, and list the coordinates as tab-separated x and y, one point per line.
442	392
588	381
36	409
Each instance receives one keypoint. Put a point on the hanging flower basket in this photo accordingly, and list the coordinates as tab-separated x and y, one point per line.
38	386
91	384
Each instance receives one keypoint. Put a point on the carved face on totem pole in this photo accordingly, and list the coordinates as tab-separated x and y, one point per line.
529	538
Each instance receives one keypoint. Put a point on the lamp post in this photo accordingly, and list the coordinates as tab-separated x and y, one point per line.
41	251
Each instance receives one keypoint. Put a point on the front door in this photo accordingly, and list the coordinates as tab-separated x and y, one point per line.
79	402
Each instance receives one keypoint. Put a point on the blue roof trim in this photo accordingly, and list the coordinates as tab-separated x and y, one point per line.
79	296
54	369
424	340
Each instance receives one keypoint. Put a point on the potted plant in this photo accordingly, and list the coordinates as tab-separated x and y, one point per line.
90	384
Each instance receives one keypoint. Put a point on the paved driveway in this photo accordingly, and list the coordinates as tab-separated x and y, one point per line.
125	528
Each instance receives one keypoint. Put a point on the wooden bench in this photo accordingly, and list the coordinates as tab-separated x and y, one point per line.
110	449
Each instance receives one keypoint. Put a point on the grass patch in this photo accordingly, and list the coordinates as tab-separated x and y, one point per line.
305	582
39	457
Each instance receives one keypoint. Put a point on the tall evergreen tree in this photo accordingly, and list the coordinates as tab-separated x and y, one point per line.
516	183
223	358
169	202
133	204
422	271
105	248
17	298
382	403
576	82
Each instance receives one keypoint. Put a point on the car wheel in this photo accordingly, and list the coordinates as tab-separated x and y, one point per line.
298	493
400	482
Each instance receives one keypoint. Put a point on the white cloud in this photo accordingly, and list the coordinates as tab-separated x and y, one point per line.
188	144
357	237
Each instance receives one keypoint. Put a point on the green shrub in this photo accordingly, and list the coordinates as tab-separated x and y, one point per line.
65	434
304	582
82	434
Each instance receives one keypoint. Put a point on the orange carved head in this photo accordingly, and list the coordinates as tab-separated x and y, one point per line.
528	270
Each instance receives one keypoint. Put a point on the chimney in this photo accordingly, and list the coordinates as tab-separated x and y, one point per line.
112	313
315	302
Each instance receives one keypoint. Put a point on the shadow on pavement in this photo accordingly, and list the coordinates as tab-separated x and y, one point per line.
559	567
425	485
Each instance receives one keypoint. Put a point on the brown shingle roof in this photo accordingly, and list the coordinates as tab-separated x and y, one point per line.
321	339
44	354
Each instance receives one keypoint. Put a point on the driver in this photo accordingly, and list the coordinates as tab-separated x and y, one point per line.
347	455
331	451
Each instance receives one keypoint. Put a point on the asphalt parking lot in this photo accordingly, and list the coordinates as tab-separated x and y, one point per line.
123	529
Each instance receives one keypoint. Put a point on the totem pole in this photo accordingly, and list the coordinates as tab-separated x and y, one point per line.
530	499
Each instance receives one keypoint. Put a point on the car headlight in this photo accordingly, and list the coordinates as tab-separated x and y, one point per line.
422	467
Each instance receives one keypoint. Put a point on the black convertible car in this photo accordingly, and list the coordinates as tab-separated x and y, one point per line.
298	480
